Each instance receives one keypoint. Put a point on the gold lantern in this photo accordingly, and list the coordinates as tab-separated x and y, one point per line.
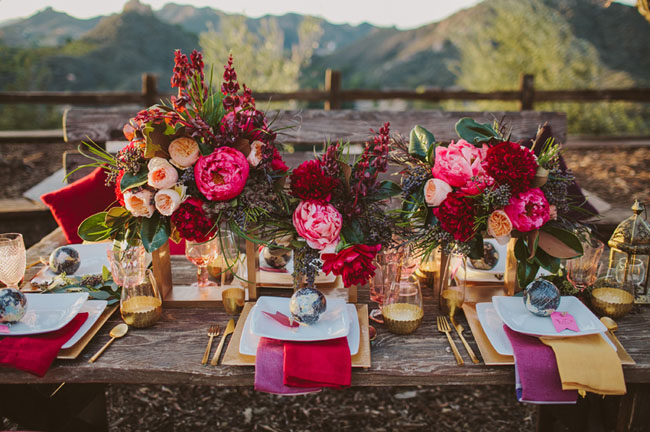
629	258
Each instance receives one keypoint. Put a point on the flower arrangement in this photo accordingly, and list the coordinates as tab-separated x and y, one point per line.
485	185
207	157
334	216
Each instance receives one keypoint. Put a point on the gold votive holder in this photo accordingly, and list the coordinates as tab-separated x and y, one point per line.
233	300
402	318
613	302
141	311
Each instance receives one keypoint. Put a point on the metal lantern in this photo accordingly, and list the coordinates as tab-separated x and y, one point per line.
629	257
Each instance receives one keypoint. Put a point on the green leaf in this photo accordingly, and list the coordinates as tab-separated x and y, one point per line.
99	295
130	181
559	242
93	228
352	232
387	189
476	247
420	140
205	148
116	216
431	155
526	272
476	133
106	274
154	232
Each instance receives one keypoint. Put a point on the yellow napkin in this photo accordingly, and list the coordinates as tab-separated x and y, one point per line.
588	363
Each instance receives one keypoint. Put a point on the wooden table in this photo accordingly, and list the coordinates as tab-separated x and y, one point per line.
170	352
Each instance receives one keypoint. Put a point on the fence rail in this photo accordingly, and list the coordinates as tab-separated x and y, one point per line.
333	96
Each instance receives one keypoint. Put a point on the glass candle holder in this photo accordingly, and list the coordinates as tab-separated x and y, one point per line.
12	259
583	271
402	310
611	297
141	304
452	292
128	263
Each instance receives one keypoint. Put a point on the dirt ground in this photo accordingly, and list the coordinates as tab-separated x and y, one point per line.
616	175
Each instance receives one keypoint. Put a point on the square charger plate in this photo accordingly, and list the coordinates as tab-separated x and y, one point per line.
333	323
514	314
47	313
249	340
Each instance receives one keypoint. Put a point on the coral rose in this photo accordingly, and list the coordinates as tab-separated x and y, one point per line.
353	264
458	163
499	226
529	210
184	151
139	203
319	224
222	175
435	191
162	175
167	201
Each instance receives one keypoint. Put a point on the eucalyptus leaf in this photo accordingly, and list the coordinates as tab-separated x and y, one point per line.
475	133
420	140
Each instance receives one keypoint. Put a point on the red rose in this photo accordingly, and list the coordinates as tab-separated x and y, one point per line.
456	214
353	264
309	182
191	221
511	164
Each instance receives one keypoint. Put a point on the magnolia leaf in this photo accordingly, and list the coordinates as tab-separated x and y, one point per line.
154	232
526	272
476	247
431	155
116	216
550	263
347	173
243	145
532	238
130	181
559	243
420	140
475	133
94	228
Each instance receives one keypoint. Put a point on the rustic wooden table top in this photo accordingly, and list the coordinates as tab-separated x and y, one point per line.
170	352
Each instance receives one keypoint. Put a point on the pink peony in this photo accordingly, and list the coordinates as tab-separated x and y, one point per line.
319	224
222	175
529	210
139	203
162	175
458	163
435	192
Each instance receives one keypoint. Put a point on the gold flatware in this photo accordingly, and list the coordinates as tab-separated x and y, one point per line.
212	332
459	330
611	328
443	327
116	332
229	329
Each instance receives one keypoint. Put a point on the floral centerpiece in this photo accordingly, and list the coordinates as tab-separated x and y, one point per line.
207	157
485	185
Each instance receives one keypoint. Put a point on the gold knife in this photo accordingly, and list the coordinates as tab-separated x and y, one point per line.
229	329
459	330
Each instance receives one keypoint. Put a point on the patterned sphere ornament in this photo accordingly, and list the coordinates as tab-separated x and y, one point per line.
541	297
64	260
13	305
307	305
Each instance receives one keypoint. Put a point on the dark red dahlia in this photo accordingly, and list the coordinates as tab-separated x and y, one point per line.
511	164
456	214
191	221
353	264
309	182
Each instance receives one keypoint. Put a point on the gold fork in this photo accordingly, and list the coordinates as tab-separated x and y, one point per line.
212	332
443	327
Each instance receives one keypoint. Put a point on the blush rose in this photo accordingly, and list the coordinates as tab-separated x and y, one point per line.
162	175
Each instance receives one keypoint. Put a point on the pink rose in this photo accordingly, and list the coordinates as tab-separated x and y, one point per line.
222	175
319	224
162	175
458	163
435	192
255	156
184	151
167	201
529	210
139	203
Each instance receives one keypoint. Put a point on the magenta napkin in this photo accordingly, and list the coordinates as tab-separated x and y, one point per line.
537	369
269	375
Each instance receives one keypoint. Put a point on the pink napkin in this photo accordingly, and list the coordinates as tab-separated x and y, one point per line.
537	369
325	363
269	376
35	354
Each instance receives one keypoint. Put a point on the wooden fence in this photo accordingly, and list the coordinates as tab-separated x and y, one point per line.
333	96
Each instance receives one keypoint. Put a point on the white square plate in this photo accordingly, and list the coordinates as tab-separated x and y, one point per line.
47	313
514	314
493	327
249	341
333	323
93	257
94	309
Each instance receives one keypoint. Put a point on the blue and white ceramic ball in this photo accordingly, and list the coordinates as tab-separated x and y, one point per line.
13	305
541	297
307	305
64	260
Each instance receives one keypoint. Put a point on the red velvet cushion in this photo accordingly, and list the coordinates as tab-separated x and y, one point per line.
73	203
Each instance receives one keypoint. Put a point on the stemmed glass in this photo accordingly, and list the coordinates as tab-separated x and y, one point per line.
630	271
201	254
583	271
12	259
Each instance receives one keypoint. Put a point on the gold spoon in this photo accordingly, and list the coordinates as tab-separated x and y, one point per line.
116	332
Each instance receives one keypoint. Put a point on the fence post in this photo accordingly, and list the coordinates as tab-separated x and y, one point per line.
333	87
149	89
527	87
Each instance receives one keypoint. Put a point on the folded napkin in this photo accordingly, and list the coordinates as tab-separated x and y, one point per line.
269	361
588	363
323	363
35	354
537	371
